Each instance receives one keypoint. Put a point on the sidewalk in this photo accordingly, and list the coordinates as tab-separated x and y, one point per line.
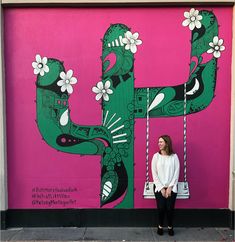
115	234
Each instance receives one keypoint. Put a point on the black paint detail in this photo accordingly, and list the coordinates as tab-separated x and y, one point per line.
56	111
180	89
53	87
199	32
209	13
116	81
85	131
126	76
122	181
68	140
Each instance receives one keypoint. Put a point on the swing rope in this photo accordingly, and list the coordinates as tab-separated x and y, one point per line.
185	136
185	139
147	142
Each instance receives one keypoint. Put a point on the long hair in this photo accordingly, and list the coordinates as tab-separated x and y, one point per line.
169	148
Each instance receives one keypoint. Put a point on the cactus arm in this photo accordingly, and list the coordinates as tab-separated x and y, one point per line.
200	87
54	123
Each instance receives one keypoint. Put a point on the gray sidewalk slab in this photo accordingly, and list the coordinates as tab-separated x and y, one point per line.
115	234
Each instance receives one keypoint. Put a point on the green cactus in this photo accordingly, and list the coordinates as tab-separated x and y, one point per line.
121	104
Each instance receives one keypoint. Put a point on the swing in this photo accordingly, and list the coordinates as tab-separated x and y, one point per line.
183	188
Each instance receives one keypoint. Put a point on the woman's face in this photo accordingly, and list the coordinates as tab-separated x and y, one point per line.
161	144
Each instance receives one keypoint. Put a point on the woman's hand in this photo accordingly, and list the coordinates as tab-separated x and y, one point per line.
168	192
163	191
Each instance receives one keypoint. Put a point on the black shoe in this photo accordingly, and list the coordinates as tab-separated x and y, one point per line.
159	231
171	231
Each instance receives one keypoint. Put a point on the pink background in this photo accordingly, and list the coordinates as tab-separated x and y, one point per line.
73	35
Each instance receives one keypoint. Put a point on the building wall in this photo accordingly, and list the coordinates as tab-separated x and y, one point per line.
48	176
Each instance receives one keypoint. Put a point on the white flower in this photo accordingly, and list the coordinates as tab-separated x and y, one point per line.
217	47
40	66
102	90
131	41
192	19
66	80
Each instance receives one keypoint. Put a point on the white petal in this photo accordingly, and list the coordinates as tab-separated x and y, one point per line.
36	71
125	41
62	75
38	58
98	96
128	35
42	72
44	60
96	90
69	88
73	80
127	47
192	26
210	51
63	88
133	49
46	68
60	83
215	40
100	85
34	64
107	84
216	54
105	96
196	12
199	17
186	14
186	22
69	74
211	44
138	42
109	91
222	48
135	35
191	12
198	24
220	42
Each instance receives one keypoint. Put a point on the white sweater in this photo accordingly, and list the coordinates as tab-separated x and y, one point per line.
165	171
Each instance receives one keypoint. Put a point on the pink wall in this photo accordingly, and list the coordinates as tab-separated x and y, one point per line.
73	36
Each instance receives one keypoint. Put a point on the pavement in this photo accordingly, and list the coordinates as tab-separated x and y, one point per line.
115	234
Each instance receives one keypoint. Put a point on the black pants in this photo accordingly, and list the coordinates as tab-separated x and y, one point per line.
166	207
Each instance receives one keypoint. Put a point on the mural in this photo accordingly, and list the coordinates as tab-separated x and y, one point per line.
122	102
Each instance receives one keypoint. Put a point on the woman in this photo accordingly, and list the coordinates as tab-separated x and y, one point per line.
165	172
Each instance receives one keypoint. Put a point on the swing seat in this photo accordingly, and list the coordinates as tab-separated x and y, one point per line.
183	190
